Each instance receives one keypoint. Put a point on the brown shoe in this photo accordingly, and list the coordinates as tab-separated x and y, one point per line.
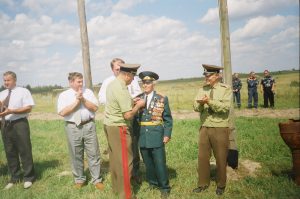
79	185
99	186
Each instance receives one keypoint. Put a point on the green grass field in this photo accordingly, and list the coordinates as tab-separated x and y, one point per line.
258	139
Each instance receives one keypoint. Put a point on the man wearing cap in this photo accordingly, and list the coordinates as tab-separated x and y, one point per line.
119	112
213	103
267	86
155	128
134	90
78	106
252	83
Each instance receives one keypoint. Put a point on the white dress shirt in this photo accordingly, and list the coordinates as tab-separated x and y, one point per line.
68	97
134	88
149	98
20	97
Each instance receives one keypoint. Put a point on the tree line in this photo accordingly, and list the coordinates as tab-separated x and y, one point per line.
39	89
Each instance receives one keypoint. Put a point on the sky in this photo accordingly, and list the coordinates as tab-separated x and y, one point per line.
40	39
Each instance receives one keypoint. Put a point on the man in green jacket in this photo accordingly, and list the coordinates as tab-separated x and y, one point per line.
213	102
154	130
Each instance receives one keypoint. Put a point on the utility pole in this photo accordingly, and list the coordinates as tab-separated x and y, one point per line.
227	74
84	45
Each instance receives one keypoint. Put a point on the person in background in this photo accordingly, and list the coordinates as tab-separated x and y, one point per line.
213	102
134	90
155	128
16	102
78	106
119	113
252	83
236	87
267	87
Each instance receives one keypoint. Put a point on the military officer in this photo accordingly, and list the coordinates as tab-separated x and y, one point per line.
119	113
155	122
267	86
213	103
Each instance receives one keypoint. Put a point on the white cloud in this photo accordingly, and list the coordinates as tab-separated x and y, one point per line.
242	8
259	26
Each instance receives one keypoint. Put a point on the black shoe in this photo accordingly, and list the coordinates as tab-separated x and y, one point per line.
164	194
220	191
199	189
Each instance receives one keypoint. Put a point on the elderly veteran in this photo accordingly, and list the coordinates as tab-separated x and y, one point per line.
213	103
120	110
78	106
155	128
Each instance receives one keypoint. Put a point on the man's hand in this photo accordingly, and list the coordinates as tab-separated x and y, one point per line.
79	94
6	112
204	100
166	139
140	103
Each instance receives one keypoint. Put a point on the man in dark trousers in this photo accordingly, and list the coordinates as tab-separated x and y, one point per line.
236	87
16	102
267	86
155	128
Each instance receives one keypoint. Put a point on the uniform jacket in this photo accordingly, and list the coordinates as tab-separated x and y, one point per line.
158	111
252	83
267	82
216	112
236	84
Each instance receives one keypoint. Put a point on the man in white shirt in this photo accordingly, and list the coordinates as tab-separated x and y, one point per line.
78	106
16	102
134	90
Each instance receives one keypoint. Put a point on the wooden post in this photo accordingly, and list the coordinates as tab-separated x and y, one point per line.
84	44
226	63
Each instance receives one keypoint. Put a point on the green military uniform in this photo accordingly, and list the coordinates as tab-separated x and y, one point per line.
155	123
214	132
119	135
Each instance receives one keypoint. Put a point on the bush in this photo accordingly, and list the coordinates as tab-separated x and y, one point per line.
294	84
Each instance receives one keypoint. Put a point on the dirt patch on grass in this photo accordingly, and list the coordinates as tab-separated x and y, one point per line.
246	168
185	114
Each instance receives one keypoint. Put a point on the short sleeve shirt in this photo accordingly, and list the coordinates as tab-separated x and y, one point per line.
19	98
118	101
68	97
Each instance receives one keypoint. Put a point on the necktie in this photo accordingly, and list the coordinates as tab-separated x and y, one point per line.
4	106
146	102
77	116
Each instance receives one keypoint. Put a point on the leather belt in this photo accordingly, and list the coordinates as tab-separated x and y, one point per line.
151	123
10	122
82	123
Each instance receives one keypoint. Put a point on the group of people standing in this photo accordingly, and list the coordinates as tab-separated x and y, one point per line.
135	123
267	87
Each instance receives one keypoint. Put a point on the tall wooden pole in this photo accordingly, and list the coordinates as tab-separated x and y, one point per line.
226	63
84	44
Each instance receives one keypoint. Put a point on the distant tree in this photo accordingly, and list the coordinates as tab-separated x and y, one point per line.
2	88
28	87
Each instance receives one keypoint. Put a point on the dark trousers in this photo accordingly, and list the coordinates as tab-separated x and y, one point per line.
17	145
156	168
237	98
268	96
252	94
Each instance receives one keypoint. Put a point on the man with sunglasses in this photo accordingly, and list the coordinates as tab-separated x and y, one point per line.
119	113
213	103
154	127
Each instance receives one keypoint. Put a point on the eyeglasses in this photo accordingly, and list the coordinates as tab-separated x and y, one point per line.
147	82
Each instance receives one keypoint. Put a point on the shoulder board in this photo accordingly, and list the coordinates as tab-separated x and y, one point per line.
224	85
